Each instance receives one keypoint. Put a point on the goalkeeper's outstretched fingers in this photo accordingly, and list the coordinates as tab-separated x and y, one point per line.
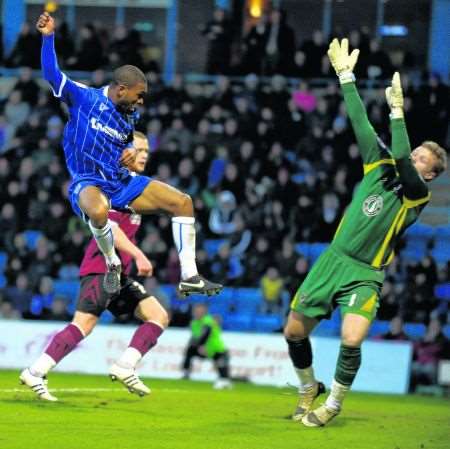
394	96
342	61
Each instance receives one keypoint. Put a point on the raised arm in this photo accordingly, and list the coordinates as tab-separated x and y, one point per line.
62	87
343	63
123	243
414	187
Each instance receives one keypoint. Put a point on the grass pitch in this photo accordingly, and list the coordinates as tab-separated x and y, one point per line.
94	413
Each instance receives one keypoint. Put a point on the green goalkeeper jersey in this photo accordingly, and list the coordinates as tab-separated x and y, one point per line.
214	343
389	198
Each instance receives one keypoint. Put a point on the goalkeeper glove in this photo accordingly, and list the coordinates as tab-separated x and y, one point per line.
343	62
394	97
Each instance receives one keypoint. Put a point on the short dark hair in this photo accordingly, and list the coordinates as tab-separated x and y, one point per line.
128	75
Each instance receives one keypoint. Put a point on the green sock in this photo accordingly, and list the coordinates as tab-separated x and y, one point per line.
348	363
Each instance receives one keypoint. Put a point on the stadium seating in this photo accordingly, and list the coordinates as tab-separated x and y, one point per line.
267	323
69	289
415	330
237	322
31	237
378	328
248	300
418	239
211	246
315	250
442	291
3	260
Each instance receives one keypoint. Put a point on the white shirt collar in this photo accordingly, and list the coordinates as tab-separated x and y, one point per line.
105	91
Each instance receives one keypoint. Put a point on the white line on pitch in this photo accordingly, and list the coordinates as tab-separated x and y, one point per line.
76	390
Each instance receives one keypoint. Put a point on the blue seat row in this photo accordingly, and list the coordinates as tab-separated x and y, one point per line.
251	322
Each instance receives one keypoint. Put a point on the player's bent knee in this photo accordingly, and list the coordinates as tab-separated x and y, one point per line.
351	340
184	206
98	215
294	332
85	322
161	317
298	326
151	310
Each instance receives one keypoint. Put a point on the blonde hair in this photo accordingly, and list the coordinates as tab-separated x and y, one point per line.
440	155
139	135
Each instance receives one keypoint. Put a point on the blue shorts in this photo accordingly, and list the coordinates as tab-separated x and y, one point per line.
120	193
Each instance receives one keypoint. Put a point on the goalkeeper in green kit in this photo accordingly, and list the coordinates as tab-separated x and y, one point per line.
350	272
207	343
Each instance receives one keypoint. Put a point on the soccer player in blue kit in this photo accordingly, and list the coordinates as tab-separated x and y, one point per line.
97	145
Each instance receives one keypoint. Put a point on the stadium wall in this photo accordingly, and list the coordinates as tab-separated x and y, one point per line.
261	358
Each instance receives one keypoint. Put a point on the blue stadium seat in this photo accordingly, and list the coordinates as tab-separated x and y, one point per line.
302	248
169	289
378	327
441	253
247	293
415	330
442	232
331	327
106	317
227	294
315	250
69	289
3	260
237	322
442	291
415	250
267	323
2	281
248	300
326	328
32	237
446	330
211	246
420	230
222	303
441	250
221	309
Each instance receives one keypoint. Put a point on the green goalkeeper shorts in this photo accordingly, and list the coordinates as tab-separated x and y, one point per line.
339	280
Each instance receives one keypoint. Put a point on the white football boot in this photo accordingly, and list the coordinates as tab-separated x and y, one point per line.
319	417
37	384
222	384
129	378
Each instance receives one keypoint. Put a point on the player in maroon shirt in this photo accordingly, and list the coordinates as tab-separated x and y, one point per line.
93	300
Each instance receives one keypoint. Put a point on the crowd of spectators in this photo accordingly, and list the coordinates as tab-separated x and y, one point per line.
269	45
96	47
428	351
268	165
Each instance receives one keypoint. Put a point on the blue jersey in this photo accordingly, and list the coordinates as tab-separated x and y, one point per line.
94	137
96	133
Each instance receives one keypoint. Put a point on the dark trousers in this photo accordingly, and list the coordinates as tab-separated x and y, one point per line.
221	361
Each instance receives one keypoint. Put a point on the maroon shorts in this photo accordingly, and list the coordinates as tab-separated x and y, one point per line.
93	298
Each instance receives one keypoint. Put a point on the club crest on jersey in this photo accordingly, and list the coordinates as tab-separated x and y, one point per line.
372	205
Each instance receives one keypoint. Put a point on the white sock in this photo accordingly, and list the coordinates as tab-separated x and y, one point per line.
130	358
306	377
42	365
337	395
105	242
183	230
